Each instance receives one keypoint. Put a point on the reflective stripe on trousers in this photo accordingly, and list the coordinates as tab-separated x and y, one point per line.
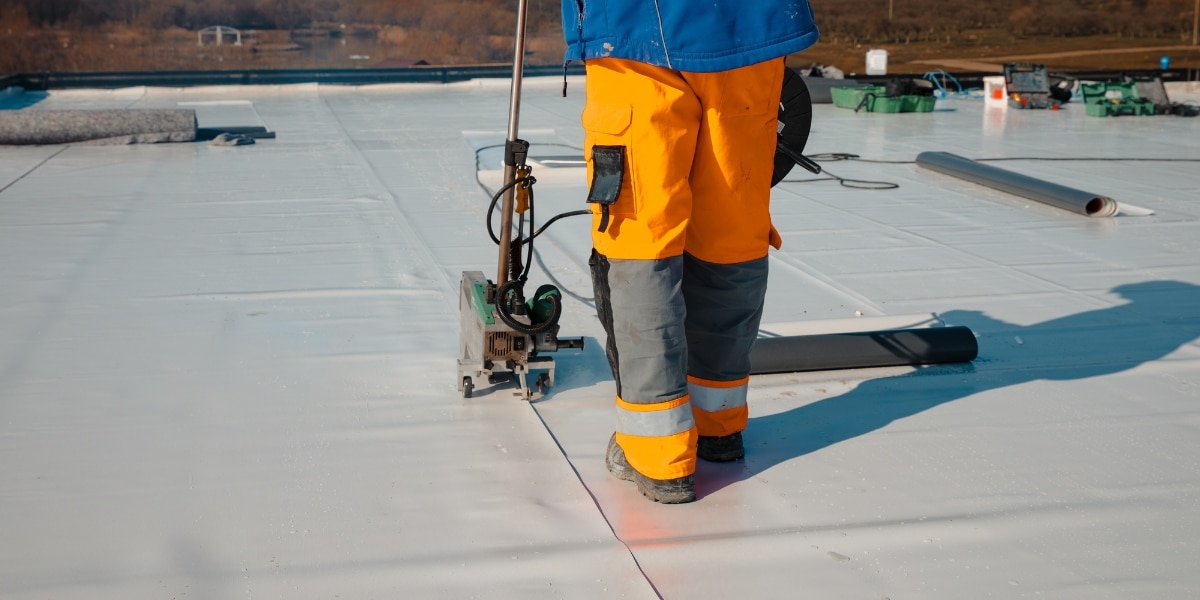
659	439
719	407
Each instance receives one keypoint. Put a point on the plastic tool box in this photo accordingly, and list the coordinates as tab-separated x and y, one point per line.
1028	86
875	99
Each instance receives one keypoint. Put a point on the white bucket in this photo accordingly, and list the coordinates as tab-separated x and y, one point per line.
994	91
877	62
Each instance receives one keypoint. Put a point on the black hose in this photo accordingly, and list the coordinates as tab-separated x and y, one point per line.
506	317
496	200
573	213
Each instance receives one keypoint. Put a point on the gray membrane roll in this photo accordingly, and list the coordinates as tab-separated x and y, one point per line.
894	348
1053	194
117	126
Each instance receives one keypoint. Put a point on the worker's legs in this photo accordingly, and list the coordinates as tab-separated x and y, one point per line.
655	139
725	264
640	126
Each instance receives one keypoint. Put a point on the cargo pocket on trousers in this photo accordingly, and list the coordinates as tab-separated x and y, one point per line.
610	186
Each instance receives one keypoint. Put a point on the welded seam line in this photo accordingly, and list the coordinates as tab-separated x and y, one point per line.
404	220
35	167
986	262
821	279
596	502
407	223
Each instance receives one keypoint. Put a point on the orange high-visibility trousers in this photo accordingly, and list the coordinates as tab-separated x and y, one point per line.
679	167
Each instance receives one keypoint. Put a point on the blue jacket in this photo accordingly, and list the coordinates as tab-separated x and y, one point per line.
687	35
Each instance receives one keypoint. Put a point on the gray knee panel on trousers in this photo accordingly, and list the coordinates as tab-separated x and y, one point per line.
724	310
640	303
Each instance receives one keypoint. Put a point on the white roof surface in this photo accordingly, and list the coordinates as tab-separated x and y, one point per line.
229	372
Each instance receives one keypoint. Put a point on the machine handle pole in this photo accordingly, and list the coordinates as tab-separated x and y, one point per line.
510	170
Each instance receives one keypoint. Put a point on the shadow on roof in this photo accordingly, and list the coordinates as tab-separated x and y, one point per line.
1160	318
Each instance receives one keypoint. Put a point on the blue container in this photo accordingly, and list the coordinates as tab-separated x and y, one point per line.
1164	63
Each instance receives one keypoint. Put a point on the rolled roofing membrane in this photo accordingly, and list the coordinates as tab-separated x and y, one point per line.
115	126
1053	194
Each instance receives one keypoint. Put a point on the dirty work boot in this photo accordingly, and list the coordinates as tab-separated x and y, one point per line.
720	449
666	491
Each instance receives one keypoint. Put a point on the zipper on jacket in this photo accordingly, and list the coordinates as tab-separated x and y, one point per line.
662	35
579	26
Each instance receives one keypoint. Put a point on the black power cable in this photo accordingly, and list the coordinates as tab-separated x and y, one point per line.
512	290
860	184
838	156
521	181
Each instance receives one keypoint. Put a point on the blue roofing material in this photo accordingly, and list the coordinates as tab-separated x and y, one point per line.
229	371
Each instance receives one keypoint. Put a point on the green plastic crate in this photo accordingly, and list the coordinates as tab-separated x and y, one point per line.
918	103
850	97
874	99
883	104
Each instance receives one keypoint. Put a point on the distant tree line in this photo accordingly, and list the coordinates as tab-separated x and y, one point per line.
52	35
70	34
849	20
858	21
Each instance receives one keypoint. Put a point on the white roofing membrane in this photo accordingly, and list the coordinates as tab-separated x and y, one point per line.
229	372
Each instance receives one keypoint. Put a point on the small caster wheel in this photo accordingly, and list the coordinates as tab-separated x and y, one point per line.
543	383
468	386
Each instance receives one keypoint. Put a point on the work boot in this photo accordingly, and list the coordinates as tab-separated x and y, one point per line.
720	449
666	491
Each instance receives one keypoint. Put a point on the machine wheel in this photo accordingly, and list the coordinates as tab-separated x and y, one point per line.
543	383
468	386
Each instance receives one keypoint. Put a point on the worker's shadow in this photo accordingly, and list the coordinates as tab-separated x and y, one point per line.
1159	318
